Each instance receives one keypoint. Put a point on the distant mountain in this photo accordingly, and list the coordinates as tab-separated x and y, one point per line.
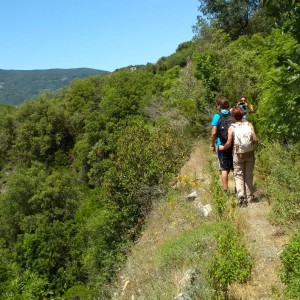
17	86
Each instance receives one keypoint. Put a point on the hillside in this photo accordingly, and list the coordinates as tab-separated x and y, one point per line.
17	86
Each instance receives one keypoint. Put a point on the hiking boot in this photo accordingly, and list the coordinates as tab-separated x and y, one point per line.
250	199
241	199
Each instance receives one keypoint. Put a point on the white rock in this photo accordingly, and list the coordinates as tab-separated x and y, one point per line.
193	195
183	296
206	210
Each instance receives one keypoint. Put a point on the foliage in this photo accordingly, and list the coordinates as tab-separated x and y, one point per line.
231	16
7	132
187	94
149	160
286	14
220	252
206	69
43	130
14	205
181	251
36	213
230	263
239	68
290	258
27	285
280	89
279	170
180	58
219	197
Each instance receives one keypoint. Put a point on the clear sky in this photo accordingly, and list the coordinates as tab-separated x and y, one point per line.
99	34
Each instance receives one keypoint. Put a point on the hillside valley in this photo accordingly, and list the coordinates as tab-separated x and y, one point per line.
17	86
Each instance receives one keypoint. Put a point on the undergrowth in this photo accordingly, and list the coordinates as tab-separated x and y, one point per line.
279	175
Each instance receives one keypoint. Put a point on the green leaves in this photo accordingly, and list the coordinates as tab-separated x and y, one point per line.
291	267
286	13
280	90
43	128
231	262
231	16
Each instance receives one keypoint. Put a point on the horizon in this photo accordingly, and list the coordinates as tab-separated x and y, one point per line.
102	36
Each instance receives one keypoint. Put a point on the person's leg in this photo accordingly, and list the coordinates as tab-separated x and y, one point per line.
224	166
249	169
224	179
239	165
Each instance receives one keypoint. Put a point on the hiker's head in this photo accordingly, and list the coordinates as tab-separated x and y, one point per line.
243	99
237	113
222	103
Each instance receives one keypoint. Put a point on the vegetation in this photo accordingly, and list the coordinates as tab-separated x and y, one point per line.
81	167
17	86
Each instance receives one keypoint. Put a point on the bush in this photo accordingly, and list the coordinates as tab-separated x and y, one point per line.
279	172
230	263
291	267
182	250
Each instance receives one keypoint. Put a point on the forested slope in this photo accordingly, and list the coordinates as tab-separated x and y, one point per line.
82	167
17	86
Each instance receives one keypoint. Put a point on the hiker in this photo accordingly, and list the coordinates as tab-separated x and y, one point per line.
243	106
242	135
220	124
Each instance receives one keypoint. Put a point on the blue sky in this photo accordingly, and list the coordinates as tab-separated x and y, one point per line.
99	34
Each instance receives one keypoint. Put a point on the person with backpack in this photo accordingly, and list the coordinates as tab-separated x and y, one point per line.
242	136
220	123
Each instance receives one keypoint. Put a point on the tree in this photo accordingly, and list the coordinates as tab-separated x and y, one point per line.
44	131
232	16
286	14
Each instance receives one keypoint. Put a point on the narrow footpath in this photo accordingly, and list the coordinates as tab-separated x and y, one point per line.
264	240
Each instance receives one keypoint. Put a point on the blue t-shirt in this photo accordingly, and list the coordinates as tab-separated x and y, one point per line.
215	122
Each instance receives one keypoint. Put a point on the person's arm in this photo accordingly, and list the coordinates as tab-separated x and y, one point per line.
213	139
254	134
229	140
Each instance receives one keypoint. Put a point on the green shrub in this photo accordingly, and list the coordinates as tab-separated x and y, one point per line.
279	172
290	258
185	248
217	252
230	263
220	198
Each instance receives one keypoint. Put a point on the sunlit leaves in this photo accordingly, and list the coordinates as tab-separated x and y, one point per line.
280	90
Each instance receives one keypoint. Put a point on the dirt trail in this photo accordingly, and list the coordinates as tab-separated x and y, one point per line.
264	241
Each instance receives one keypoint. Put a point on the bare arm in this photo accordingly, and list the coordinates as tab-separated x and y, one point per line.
229	140
213	139
254	134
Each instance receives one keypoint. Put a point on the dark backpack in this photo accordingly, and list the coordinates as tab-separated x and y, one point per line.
222	128
243	108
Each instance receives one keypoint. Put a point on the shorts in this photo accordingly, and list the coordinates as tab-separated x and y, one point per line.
225	160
